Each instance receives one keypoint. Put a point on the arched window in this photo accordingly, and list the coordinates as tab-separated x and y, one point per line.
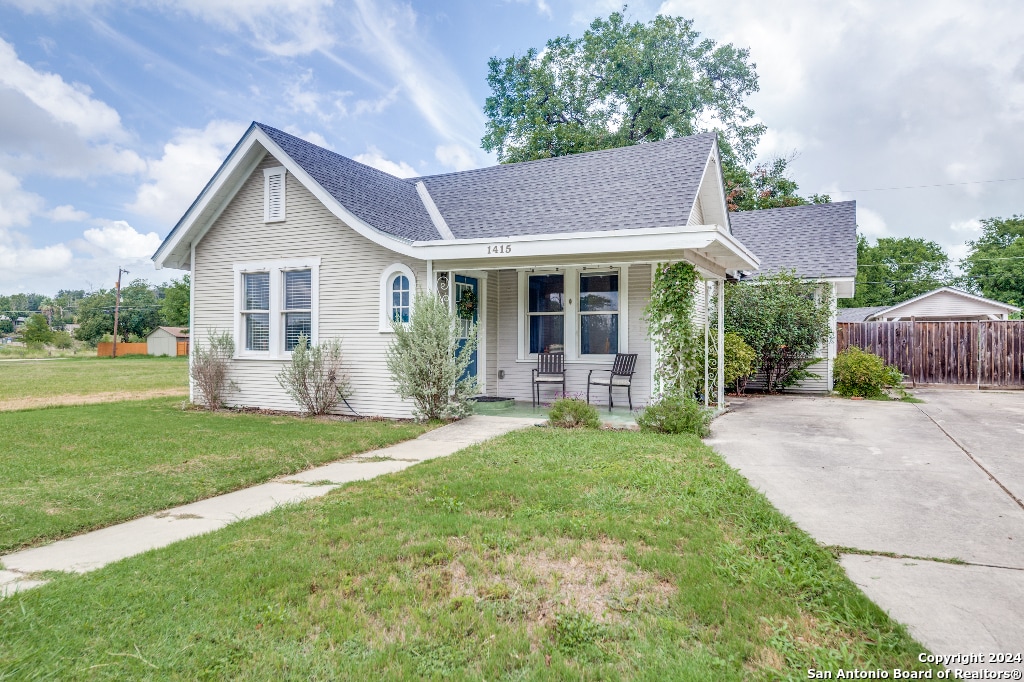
397	290
400	301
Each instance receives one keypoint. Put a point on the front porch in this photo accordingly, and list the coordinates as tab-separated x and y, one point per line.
618	417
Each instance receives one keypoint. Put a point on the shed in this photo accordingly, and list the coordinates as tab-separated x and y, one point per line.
171	341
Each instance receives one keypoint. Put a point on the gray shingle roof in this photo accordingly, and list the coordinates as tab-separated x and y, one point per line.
859	314
383	201
817	241
646	185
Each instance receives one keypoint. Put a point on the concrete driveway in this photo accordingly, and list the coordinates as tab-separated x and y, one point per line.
939	480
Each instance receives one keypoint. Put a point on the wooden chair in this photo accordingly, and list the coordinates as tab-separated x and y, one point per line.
550	370
621	374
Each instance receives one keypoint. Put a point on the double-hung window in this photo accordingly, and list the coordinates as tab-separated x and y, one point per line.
277	304
256	310
298	307
599	313
546	313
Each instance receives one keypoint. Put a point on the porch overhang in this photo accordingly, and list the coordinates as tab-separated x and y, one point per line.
709	247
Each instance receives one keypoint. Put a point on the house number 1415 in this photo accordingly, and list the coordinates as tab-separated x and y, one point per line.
499	249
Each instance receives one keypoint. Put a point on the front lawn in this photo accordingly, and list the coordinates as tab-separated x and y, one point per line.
91	375
545	554
65	470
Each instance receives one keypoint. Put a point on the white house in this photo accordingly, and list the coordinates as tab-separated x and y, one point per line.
289	238
945	304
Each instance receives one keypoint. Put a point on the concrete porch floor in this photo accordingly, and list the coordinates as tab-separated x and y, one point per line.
619	417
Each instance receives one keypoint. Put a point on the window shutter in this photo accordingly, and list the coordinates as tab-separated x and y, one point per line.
273	195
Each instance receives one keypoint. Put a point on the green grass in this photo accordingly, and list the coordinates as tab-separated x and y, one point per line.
65	470
90	375
546	554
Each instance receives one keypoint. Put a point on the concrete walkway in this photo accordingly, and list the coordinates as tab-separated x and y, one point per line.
940	480
94	550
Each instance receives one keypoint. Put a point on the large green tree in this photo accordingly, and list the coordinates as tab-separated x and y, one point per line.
175	305
896	269
995	264
624	83
139	314
36	331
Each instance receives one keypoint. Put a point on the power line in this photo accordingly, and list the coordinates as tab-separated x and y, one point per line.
944	184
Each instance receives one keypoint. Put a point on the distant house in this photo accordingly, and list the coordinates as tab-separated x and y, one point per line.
171	341
944	304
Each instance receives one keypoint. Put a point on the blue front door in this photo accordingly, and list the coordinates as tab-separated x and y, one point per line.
467	286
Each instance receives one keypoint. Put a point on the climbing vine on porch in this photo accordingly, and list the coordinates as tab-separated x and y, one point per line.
670	324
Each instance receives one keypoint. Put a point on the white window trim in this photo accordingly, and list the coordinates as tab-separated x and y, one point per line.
267	174
276	268
571	311
386	278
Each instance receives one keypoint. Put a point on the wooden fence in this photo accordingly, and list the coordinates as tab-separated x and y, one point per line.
963	353
106	350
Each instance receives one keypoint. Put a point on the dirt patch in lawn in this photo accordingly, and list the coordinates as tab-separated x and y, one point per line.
106	397
593	578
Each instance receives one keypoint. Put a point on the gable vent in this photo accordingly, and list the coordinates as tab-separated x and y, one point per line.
273	195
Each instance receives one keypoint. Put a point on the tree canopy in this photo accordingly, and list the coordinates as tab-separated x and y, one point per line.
624	83
175	306
894	270
995	265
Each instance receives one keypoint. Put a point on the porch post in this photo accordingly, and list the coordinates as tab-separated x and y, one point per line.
431	284
707	319
720	289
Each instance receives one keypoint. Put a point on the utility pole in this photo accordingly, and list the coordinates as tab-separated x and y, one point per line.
117	306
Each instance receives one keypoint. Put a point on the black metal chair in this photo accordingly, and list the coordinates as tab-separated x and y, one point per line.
550	370
620	375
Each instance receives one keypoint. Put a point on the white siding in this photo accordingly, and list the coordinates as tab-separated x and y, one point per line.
945	305
517	382
350	271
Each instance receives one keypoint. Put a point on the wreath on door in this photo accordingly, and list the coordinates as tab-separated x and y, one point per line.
466	305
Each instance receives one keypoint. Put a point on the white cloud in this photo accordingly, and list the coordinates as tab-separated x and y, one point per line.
189	161
375	158
971	227
67	214
542	6
871	223
122	240
68	104
456	156
17	206
19	260
310	136
391	34
375	106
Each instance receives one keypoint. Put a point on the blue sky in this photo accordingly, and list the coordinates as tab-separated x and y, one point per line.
114	114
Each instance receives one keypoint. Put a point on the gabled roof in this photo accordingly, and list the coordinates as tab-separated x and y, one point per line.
818	240
389	204
952	290
638	199
179	332
859	314
645	185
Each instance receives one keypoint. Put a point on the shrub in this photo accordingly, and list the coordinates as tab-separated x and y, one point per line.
673	414
859	373
783	318
62	340
426	361
740	362
315	378
209	368
574	413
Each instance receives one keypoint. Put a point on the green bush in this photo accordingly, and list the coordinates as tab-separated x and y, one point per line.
315	378
740	362
858	373
676	415
574	413
62	340
427	360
